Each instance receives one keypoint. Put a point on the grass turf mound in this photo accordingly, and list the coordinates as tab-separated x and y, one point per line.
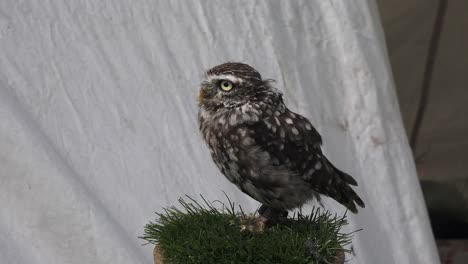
206	234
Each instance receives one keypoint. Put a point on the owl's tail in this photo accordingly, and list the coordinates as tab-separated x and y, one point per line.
340	189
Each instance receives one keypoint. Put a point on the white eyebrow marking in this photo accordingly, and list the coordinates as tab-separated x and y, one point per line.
228	77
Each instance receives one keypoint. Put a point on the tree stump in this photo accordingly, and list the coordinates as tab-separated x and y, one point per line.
157	255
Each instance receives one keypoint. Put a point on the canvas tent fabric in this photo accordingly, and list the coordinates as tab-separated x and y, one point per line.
98	119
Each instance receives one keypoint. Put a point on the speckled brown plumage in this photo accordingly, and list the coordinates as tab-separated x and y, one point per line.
269	152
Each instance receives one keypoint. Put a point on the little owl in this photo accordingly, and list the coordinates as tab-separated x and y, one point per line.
269	152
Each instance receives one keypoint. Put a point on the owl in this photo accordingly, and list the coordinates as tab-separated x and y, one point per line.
269	152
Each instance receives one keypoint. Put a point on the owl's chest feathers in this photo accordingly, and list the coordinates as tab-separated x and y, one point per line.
232	144
229	138
221	123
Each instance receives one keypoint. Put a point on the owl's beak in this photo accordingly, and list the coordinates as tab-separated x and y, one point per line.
201	96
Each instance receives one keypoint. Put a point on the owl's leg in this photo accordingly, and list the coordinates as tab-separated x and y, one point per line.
269	215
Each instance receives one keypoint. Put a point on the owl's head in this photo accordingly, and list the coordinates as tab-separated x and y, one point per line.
231	85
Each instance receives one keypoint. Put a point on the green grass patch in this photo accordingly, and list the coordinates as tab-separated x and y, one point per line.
204	233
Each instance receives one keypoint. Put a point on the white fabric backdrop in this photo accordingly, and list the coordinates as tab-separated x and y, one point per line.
98	119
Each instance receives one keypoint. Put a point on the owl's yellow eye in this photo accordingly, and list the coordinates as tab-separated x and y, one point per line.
225	85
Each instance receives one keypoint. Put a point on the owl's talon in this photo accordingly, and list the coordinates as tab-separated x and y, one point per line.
256	225
272	216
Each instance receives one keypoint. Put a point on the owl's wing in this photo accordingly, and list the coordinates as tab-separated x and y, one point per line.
290	138
293	142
